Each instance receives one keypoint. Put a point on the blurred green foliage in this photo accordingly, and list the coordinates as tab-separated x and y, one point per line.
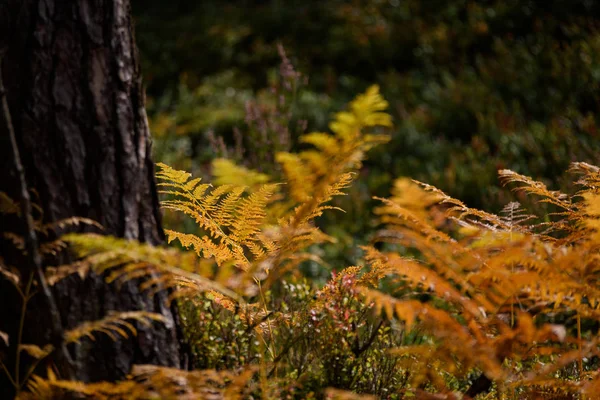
474	86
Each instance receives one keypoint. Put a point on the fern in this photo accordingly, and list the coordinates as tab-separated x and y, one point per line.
232	222
238	227
115	324
492	277
148	382
125	260
226	172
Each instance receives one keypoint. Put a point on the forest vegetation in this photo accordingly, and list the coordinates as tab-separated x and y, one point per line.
363	199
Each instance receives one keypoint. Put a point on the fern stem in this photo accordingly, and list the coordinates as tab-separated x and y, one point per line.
20	332
262	298
580	360
7	372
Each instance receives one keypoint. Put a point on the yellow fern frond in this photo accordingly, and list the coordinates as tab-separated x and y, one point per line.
298	176
233	222
115	324
36	351
226	172
312	175
52	388
126	260
365	111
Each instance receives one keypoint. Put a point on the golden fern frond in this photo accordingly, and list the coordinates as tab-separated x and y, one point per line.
397	217
226	172
366	110
204	247
251	214
232	221
323	141
38	388
115	324
542	371
298	175
36	351
338	394
451	336
236	222
173	383
419	276
52	388
590	174
476	218
590	218
506	266
315	176
52	248
56	274
68	222
530	186
125	260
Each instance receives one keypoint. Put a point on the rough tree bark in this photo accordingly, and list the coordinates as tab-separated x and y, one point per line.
74	89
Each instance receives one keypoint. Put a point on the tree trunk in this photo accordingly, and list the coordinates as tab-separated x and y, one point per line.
75	94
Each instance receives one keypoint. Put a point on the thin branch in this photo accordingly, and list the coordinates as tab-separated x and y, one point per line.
31	241
361	349
8	374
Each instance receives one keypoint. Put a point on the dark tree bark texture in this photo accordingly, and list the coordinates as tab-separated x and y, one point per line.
74	89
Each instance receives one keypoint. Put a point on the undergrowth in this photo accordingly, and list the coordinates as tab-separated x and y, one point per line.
449	301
